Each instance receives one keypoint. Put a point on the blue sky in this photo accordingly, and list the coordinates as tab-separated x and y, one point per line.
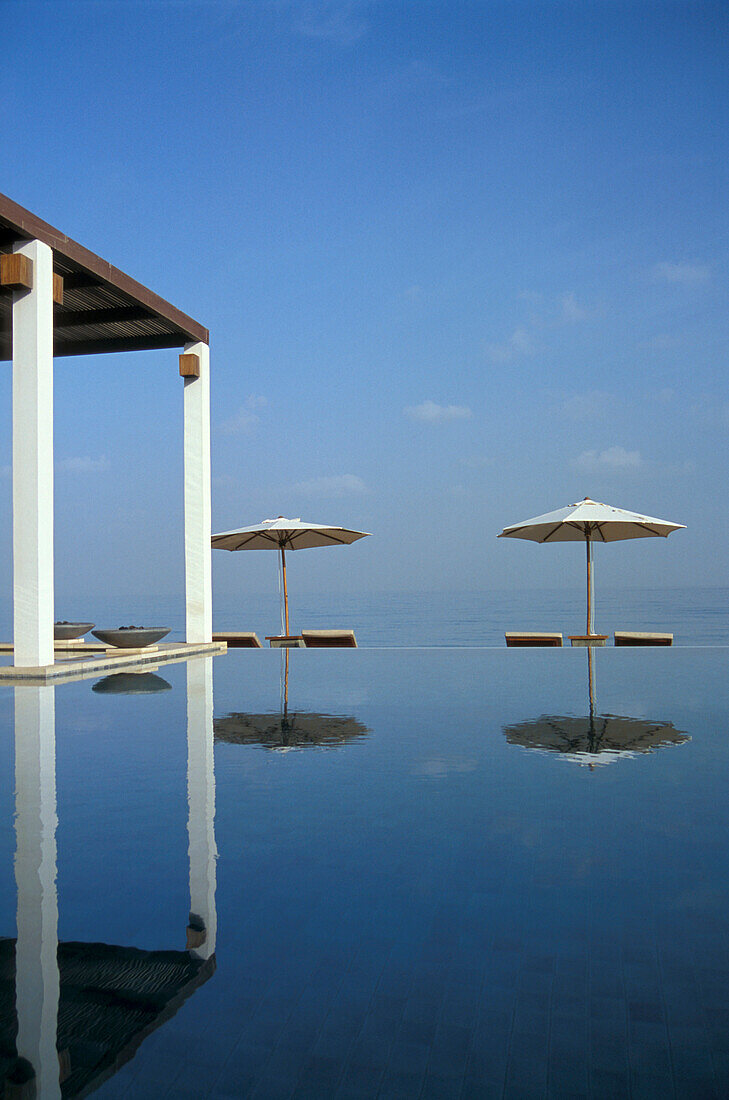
462	263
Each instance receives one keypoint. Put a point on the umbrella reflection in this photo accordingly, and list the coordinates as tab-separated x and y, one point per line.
596	738
296	730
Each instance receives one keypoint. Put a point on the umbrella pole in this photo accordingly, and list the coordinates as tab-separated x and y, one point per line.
589	583
286	683
286	591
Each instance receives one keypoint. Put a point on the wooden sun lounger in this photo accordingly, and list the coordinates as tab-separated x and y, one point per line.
524	638
239	639
319	639
642	637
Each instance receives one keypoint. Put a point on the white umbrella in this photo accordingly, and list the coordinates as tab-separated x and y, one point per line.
592	522
285	534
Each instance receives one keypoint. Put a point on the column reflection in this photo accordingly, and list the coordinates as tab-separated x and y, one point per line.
37	984
83	1009
202	929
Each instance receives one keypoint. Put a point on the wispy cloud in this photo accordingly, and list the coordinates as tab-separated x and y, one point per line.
438	767
613	458
82	464
478	462
586	406
75	464
681	273
551	311
341	485
337	21
431	413
224	481
246	418
662	341
570	310
520	343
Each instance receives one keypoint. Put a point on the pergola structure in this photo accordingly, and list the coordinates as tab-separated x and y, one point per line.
57	298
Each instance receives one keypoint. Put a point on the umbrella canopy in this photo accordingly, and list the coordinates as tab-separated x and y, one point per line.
590	521
285	534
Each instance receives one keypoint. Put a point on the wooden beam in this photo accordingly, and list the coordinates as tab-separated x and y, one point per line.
16	271
189	366
57	289
77	280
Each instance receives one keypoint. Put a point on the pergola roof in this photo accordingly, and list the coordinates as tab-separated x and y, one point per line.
103	309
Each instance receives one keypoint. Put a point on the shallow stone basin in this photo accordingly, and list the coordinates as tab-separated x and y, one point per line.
67	632
132	637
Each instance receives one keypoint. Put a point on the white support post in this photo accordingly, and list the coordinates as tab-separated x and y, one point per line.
198	566
202	929
33	462
37	982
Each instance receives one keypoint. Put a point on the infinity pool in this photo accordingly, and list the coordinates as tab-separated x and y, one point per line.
389	873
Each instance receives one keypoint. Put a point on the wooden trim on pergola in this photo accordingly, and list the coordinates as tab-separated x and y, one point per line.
99	308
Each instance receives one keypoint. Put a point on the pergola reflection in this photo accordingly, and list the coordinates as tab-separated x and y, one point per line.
72	1013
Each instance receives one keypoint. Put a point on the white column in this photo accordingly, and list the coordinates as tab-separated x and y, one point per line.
33	462
202	852
37	984
198	575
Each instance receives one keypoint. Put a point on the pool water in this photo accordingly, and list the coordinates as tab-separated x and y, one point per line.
390	873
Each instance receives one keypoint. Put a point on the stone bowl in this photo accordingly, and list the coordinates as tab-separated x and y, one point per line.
68	632
131	637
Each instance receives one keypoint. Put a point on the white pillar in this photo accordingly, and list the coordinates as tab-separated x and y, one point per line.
37	984
198	573
33	462
202	852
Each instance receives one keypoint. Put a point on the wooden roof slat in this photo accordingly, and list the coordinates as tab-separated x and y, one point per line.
73	318
107	346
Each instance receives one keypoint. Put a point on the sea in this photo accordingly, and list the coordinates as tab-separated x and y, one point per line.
696	616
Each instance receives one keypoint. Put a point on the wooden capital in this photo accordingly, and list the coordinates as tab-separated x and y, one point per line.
196	937
189	366
57	289
16	271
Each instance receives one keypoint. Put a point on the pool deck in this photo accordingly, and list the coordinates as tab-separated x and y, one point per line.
79	661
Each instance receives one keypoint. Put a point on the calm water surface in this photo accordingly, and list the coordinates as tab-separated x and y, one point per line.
413	873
